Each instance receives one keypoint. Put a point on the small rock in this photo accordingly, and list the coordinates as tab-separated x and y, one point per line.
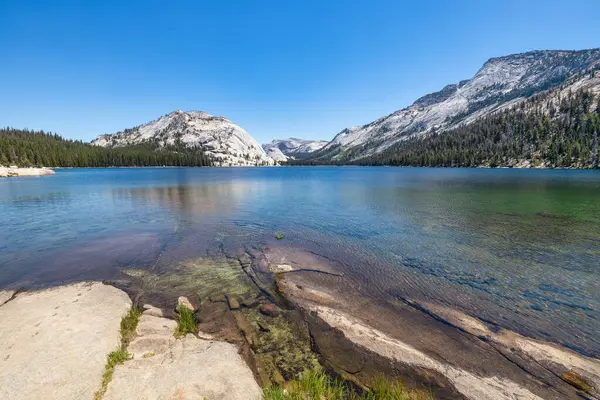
205	336
270	310
234	304
183	301
279	268
152	311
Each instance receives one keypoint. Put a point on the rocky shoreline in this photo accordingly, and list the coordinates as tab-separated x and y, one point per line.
8	172
267	314
426	345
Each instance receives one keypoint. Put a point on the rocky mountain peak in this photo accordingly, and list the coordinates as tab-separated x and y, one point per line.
283	149
223	141
501	81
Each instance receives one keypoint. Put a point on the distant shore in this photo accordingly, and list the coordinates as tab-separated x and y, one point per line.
7	172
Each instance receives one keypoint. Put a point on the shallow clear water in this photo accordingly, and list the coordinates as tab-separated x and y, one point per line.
518	248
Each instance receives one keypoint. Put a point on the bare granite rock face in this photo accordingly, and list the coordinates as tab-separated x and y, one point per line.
163	367
54	342
6	295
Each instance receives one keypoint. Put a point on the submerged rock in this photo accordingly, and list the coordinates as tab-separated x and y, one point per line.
270	310
234	304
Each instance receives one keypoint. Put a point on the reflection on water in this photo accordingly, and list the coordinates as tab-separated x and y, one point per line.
516	248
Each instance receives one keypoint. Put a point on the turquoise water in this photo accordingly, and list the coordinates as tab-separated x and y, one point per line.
517	248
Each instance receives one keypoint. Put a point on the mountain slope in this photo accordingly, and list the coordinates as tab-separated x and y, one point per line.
224	142
556	128
500	83
283	149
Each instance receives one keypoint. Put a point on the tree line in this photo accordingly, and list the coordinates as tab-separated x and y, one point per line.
26	148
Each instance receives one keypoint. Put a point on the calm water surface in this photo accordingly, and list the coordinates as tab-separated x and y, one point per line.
517	248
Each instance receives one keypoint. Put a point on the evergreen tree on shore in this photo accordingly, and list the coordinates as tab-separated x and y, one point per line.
26	148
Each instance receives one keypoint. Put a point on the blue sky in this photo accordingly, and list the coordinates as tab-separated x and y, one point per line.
277	68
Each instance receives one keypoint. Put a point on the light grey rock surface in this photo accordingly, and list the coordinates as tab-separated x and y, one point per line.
226	143
6	295
54	342
16	171
163	367
184	302
284	149
153	311
500	83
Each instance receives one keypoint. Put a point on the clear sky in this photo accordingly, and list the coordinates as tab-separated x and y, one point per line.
277	68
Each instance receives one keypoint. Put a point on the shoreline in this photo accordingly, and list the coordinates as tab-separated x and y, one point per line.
284	309
18	171
9	172
430	345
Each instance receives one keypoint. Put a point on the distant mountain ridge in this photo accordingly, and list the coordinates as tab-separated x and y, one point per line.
283	149
499	84
225	143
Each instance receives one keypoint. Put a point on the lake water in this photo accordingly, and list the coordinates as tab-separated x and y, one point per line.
517	248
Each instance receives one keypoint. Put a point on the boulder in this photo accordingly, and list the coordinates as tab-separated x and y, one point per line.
183	301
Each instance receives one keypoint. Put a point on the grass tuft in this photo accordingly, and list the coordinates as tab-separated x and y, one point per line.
128	328
317	385
186	323
129	324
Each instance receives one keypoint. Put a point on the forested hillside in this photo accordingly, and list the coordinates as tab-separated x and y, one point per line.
26	148
500	83
552	129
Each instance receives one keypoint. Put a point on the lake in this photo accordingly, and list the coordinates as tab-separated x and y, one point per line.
519	249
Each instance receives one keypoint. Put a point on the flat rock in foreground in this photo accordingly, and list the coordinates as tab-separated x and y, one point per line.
163	367
54	342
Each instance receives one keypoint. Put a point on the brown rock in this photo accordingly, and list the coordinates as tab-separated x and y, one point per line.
233	303
270	310
218	321
249	301
246	329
